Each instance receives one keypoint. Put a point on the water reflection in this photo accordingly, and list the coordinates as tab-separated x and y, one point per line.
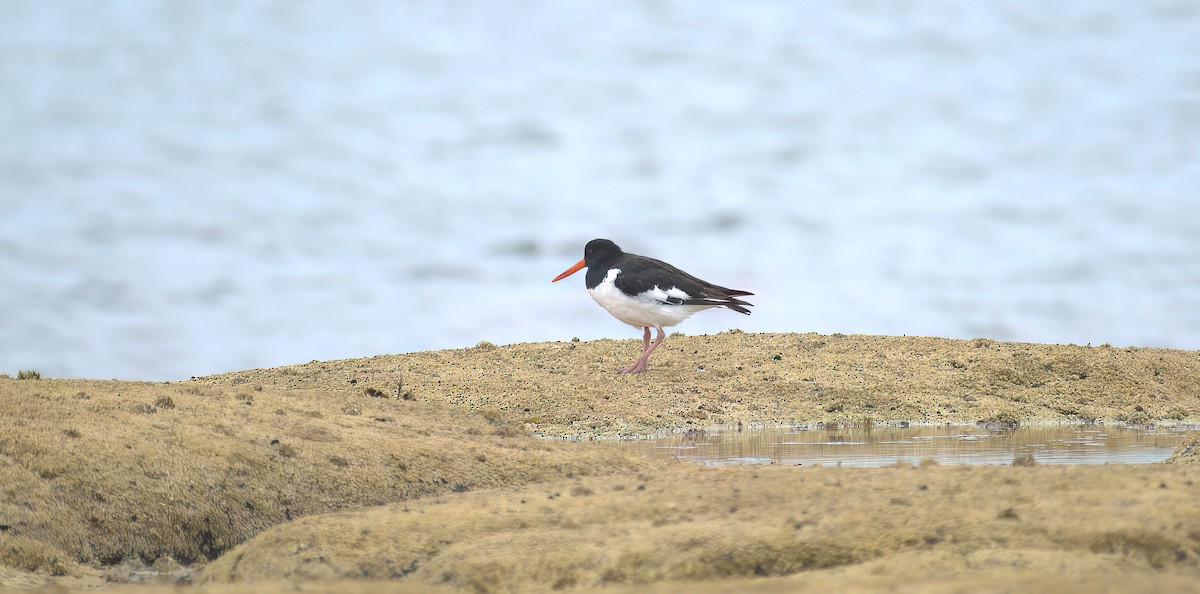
945	444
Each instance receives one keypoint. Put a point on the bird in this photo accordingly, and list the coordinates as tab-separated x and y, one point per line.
647	293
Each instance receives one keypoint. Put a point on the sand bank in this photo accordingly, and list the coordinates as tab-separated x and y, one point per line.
569	388
422	471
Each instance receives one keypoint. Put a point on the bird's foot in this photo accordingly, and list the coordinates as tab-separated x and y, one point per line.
637	367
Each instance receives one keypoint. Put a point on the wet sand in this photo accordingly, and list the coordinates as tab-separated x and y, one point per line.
422	472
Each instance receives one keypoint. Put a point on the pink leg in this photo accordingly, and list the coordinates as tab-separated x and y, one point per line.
640	365
645	347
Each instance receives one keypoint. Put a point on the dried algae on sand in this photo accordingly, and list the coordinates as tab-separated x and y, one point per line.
423	468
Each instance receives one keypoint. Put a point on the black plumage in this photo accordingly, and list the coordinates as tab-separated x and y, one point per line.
641	273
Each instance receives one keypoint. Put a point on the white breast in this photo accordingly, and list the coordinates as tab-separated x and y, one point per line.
646	309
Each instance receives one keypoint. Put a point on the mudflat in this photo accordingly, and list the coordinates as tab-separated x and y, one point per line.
443	471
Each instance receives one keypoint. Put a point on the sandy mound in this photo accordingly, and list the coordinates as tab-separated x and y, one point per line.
1188	452
687	523
101	472
570	388
113	480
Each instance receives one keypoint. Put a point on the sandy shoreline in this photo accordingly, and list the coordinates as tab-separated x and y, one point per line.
224	478
569	388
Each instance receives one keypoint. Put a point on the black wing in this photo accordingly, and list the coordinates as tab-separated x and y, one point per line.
640	274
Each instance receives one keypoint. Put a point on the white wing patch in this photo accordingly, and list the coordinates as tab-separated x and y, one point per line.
674	295
677	293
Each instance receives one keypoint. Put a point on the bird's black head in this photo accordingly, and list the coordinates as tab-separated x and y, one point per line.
599	252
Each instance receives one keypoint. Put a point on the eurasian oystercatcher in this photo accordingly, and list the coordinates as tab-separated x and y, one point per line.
647	293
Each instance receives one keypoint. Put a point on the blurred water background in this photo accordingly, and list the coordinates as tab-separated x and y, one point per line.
189	187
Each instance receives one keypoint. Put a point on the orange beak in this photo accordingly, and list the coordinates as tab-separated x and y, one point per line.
572	270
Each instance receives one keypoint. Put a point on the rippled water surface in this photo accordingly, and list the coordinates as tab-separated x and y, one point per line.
944	444
196	187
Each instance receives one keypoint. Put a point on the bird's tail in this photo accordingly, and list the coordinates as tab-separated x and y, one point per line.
728	298
738	305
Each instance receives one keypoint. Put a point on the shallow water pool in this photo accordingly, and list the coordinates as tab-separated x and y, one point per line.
945	444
